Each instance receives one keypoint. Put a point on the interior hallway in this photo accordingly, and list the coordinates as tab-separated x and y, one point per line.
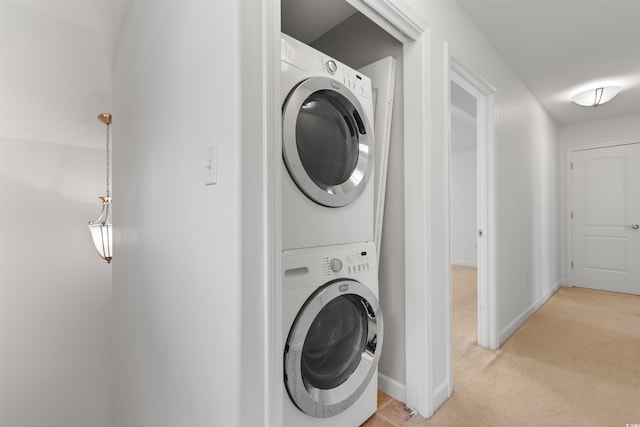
576	361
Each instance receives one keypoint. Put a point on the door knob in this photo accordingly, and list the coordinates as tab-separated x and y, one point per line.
634	226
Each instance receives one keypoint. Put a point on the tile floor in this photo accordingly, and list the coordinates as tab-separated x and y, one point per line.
390	413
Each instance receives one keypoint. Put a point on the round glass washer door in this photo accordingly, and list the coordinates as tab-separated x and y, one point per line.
333	348
326	141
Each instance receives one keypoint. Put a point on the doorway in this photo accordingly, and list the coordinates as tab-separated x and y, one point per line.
605	218
472	167
463	219
412	31
359	43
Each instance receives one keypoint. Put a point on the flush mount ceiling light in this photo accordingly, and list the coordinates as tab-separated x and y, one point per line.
596	96
101	227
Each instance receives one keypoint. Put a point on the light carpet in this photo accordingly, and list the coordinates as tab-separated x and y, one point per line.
575	362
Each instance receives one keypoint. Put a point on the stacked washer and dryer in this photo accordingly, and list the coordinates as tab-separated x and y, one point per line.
331	316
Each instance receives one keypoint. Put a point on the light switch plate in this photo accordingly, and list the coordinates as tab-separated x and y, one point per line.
211	165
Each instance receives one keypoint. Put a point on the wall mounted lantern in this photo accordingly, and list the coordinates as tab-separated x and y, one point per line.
596	96
101	227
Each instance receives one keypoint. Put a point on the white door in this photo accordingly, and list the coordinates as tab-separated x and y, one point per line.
605	204
383	80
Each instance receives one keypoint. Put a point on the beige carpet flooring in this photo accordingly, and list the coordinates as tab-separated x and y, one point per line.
575	362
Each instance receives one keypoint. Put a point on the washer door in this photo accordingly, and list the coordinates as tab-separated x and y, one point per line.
326	141
333	348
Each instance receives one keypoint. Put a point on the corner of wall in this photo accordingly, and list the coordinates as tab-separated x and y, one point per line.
516	323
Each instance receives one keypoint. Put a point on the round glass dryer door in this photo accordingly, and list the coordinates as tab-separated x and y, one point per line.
326	141
333	348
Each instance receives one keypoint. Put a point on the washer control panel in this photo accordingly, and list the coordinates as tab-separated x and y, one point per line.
335	264
348	264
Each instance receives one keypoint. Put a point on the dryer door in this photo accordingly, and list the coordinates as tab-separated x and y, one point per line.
327	141
333	348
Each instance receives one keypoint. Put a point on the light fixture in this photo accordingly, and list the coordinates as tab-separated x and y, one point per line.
101	228
595	97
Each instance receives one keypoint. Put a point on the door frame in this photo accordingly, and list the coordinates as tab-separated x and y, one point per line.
404	24
484	93
569	193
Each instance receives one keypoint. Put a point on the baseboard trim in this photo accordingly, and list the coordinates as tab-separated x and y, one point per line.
519	321
464	263
441	394
393	388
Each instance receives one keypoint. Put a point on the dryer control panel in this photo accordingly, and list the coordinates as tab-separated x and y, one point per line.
347	76
314	62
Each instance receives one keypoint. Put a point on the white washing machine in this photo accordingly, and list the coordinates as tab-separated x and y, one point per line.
327	150
333	333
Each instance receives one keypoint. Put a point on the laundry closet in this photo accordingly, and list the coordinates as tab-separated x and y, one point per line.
343	34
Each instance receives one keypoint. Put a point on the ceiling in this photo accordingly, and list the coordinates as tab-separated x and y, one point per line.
559	47
555	46
307	20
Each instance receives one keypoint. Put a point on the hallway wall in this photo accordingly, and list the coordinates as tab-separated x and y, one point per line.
178	282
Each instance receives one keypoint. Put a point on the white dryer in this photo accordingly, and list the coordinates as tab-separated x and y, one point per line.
327	150
333	333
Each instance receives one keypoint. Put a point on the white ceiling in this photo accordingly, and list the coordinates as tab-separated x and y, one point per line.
558	47
56	77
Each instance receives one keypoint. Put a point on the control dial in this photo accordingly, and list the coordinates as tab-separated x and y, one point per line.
335	264
331	66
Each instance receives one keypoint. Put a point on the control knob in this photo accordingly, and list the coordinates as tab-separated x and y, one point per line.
335	264
332	67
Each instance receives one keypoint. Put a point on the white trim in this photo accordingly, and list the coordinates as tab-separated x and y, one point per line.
464	263
442	393
393	388
393	16
272	115
524	316
606	144
419	320
569	206
448	304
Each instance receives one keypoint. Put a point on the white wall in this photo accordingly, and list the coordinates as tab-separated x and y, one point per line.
623	128
464	247
177	284
526	198
358	42
55	291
